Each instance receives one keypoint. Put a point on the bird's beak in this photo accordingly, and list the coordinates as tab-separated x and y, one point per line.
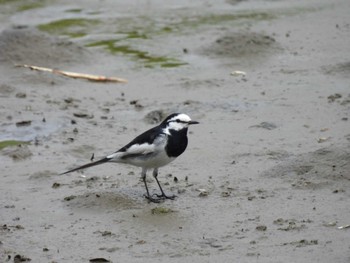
193	122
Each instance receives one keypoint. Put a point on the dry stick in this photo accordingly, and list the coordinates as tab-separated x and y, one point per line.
76	75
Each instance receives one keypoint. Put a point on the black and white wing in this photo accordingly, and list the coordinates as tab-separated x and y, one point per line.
143	145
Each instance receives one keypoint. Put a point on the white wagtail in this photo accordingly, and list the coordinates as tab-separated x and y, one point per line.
152	149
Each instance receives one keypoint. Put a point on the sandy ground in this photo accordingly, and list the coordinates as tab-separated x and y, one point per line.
272	151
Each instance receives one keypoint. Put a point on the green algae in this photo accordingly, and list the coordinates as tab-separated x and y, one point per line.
4	144
21	5
29	6
75	10
161	211
68	26
145	57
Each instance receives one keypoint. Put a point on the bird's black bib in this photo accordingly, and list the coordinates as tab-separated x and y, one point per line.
177	143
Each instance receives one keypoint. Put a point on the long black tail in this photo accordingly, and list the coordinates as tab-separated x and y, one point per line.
104	160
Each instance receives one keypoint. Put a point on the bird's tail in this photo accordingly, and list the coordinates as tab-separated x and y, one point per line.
104	160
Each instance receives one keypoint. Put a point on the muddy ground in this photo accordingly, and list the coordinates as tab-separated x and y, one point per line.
271	153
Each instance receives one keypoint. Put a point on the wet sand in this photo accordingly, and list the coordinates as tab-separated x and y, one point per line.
271	153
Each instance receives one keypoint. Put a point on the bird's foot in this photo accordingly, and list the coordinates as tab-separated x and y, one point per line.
164	196
153	200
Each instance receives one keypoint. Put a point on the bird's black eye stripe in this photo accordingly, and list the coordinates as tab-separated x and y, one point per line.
180	121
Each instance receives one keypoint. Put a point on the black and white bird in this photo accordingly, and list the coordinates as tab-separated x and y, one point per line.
152	149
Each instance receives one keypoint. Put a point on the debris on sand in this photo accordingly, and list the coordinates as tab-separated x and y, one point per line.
303	243
265	125
203	192
343	227
56	185
237	73
99	260
23	123
69	198
323	139
20	258
75	75
334	97
261	228
83	115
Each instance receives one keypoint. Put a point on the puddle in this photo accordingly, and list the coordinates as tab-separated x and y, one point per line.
11	132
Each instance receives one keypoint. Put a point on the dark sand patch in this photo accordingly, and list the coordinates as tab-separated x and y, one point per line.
18	46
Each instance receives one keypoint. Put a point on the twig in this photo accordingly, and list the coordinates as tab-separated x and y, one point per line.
76	75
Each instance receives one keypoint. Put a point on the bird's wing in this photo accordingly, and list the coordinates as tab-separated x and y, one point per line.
136	150
148	137
145	144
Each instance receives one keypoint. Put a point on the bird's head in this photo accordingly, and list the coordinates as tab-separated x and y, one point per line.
177	122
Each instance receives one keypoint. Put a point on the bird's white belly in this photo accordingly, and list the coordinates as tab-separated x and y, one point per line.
151	161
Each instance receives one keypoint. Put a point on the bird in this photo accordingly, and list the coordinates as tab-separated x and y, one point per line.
152	149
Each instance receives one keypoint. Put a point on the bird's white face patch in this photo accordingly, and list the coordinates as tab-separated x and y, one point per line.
177	123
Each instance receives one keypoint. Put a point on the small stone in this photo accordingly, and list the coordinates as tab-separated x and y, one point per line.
23	123
21	95
261	228
225	194
106	233
69	198
265	125
56	185
83	115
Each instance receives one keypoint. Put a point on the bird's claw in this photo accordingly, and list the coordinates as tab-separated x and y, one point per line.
160	198
153	200
164	196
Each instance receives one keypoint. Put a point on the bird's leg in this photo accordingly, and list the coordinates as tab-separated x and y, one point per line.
143	175
163	195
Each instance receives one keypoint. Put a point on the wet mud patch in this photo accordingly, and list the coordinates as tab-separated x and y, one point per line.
30	46
338	69
197	108
30	129
83	151
17	153
243	45
6	90
102	201
325	167
42	175
291	224
235	2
